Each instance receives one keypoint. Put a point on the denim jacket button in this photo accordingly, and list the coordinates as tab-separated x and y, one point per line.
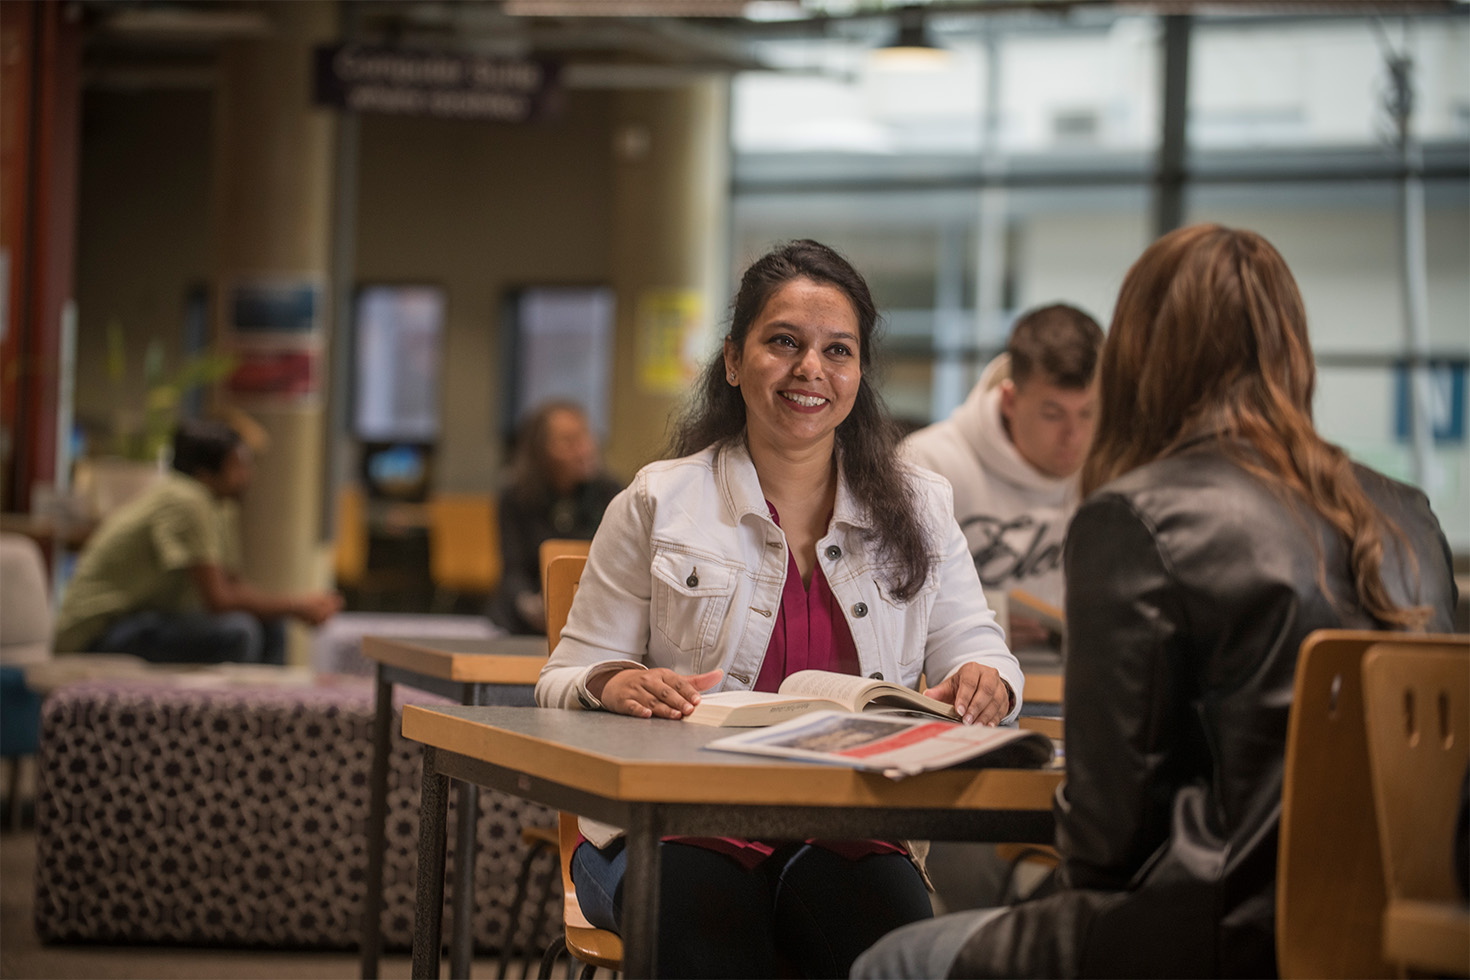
833	552
876	675
692	580
860	610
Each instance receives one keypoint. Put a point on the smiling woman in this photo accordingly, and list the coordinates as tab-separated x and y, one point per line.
783	534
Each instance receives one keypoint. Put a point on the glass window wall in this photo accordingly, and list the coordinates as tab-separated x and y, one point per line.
1023	171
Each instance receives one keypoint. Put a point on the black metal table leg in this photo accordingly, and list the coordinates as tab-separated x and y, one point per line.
462	942
428	913
372	905
640	889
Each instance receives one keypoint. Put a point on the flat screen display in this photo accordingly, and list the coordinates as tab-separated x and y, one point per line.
561	348
398	333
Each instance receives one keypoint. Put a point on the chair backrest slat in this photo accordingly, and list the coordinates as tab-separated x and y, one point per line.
1330	882
1416	698
1329	879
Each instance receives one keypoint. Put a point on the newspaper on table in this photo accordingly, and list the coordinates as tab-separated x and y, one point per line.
893	743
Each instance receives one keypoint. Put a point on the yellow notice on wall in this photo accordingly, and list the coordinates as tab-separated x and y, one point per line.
671	339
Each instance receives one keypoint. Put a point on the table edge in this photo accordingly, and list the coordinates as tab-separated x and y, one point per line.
471	668
756	780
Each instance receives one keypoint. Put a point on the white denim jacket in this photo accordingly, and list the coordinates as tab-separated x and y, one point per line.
687	569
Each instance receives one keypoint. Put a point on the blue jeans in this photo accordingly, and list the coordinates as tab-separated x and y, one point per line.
196	638
805	911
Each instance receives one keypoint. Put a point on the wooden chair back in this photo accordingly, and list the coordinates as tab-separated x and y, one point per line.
591	945
553	548
597	947
1329	876
1417	703
559	588
464	543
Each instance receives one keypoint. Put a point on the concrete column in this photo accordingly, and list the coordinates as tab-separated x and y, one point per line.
272	201
670	221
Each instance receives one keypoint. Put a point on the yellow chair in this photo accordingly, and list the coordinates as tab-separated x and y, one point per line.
553	548
464	546
1417	703
1330	891
559	578
350	551
593	946
1329	874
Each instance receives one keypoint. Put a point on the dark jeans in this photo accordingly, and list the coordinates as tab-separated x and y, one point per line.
196	638
805	911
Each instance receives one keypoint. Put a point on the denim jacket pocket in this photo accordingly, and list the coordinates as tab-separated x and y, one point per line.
909	618
691	595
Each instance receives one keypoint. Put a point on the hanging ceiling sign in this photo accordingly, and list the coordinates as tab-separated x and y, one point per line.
434	83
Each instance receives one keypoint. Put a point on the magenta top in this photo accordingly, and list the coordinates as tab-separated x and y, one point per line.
810	634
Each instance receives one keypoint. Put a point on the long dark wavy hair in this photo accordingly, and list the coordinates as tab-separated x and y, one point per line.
867	440
1210	328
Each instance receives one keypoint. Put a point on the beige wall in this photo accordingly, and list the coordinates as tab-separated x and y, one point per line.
671	197
474	207
480	208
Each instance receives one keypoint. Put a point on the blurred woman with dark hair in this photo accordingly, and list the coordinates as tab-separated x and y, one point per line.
558	489
1219	530
784	535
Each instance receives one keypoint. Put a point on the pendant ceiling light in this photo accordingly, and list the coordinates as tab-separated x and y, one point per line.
912	49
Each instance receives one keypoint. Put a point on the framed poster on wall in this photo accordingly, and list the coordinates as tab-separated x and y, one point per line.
398	339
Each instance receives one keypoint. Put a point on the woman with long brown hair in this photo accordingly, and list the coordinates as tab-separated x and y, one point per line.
783	534
558	489
1219	530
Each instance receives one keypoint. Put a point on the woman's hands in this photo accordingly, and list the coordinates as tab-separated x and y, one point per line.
977	693
652	693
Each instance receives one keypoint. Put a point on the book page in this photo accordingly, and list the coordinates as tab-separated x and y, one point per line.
858	692
754	708
736	698
892	697
846	688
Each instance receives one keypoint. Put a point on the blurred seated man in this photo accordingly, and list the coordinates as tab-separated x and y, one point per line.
160	578
1012	452
558	489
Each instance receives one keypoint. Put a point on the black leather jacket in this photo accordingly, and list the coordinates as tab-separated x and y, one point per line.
1190	587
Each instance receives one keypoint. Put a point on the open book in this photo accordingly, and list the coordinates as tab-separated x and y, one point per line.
812	690
895	745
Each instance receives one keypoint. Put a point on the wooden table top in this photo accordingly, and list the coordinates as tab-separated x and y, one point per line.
1043	688
655	760
500	660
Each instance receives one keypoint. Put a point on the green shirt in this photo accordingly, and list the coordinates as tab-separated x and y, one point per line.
141	558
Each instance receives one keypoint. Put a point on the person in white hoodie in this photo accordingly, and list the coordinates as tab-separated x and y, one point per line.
1012	453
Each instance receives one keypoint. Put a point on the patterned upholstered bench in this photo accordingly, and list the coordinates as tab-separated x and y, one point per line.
236	814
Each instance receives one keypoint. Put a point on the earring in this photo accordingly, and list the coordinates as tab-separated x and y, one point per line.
731	376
